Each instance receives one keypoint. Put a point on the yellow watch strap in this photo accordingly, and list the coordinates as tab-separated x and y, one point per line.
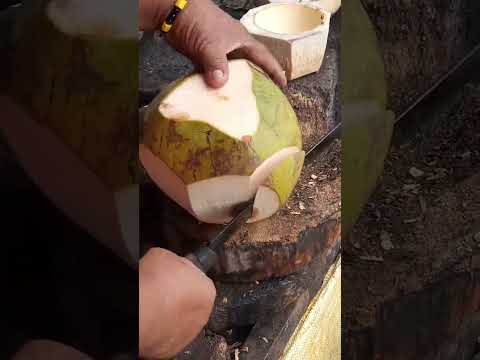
172	15
181	4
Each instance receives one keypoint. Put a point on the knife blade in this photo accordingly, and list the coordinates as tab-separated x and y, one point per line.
206	257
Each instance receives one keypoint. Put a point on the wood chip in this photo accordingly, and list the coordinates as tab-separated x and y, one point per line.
475	262
410	187
386	242
371	258
466	155
384	235
301	205
314	177
237	354
264	339
295	213
311	183
439	173
416	173
244	349
410	221
476	237
234	346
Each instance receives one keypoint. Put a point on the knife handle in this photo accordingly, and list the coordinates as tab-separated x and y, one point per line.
203	258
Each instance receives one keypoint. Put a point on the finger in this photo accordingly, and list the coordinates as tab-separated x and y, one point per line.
261	56
213	60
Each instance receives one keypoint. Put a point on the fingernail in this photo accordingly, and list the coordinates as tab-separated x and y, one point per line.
217	75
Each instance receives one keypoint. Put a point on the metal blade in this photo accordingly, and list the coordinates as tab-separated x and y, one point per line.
333	134
227	231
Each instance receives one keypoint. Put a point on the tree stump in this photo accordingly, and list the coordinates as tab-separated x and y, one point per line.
311	220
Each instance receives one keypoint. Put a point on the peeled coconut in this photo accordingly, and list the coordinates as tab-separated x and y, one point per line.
212	149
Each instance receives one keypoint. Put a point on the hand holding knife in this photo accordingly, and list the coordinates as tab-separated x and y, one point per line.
205	258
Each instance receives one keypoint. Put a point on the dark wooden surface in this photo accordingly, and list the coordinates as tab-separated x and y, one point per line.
421	41
266	313
440	322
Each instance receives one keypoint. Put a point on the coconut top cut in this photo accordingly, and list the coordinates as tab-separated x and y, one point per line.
231	109
108	18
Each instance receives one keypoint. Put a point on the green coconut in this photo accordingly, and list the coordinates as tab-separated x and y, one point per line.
76	72
211	149
75	75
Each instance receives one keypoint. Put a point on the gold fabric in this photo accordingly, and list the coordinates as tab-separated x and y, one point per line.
318	334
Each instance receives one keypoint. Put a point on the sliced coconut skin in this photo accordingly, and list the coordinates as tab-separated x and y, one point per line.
196	151
213	199
265	205
224	192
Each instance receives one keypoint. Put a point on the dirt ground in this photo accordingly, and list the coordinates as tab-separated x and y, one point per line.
423	222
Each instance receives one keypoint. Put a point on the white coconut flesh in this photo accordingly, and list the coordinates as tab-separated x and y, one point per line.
231	109
289	19
111	18
266	204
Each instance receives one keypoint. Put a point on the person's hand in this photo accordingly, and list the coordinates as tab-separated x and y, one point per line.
207	36
175	301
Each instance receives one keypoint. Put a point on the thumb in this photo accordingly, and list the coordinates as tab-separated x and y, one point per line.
215	66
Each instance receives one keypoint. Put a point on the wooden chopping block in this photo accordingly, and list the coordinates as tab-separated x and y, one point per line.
290	239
